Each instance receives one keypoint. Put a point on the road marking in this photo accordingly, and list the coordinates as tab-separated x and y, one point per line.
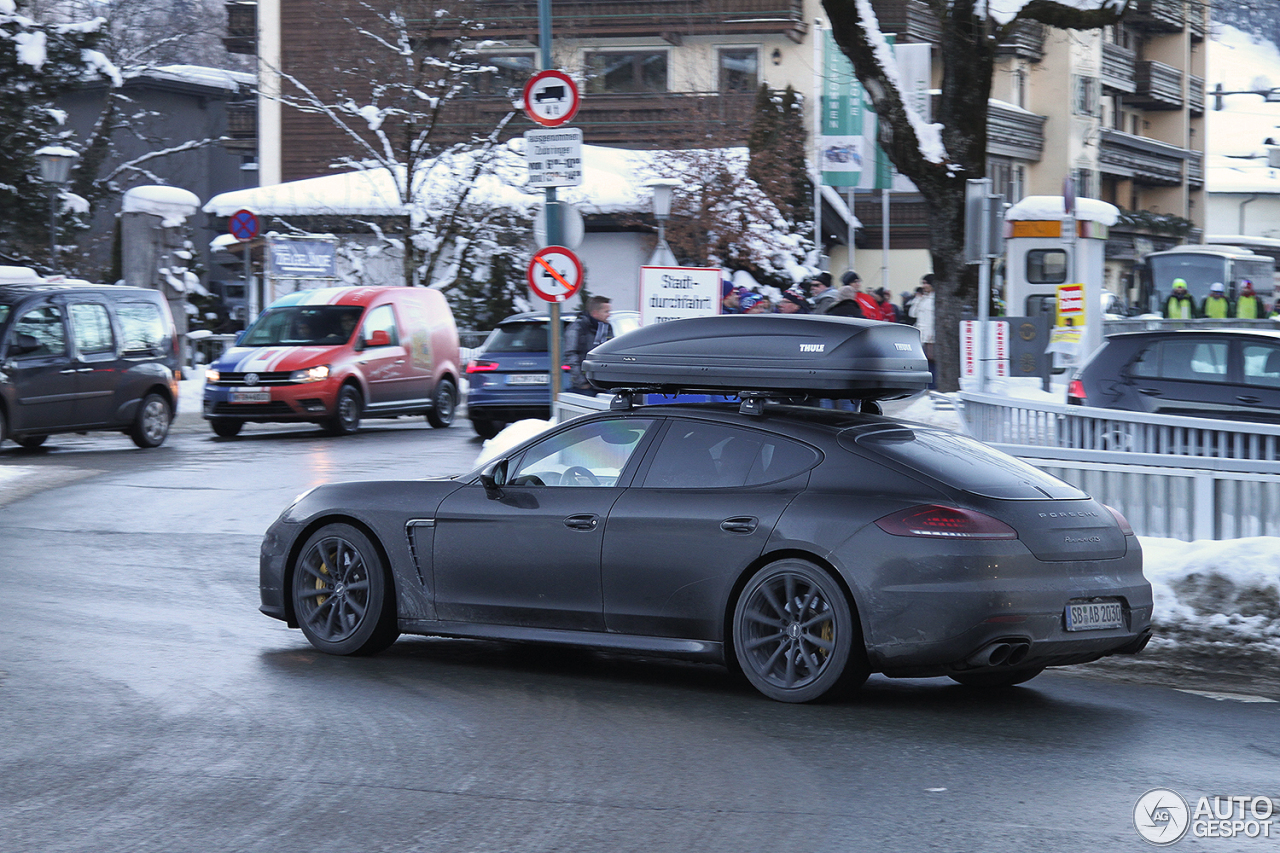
1223	697
23	481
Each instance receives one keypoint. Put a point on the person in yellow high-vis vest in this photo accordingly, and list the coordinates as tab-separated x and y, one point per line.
1249	306
1179	305
1216	304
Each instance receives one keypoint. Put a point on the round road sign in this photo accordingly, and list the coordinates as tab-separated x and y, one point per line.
555	273
551	98
243	225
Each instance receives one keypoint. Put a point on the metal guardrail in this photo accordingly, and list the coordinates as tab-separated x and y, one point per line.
1175	477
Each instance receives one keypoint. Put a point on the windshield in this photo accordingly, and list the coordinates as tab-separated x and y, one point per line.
1197	269
304	325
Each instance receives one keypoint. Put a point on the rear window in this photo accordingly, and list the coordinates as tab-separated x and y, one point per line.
963	463
518	337
141	326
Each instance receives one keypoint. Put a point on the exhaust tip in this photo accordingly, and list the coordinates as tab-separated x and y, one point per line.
1018	653
994	654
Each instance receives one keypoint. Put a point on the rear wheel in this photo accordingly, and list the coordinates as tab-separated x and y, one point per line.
996	678
444	404
485	428
342	597
151	425
794	635
350	406
226	427
31	441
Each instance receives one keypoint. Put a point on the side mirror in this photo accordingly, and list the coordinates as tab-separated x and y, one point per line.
494	477
23	344
379	338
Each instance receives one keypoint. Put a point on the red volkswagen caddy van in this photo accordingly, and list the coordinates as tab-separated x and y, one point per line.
335	355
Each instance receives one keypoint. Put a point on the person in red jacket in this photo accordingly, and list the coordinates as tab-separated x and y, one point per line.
886	310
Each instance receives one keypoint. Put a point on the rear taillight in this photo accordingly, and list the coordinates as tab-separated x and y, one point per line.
1125	527
1075	392
565	367
477	366
945	522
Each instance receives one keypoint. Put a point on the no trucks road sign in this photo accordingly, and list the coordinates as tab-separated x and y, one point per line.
551	98
555	273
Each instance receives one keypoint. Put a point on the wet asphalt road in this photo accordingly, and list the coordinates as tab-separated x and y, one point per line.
147	706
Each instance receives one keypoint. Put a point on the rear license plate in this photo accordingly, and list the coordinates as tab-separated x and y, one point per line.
527	379
251	396
1094	615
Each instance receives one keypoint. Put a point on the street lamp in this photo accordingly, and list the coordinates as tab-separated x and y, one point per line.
55	169
662	190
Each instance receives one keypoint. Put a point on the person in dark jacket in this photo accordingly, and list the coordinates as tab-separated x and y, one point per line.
846	303
793	302
589	330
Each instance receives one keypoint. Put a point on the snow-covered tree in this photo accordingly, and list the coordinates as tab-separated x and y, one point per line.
386	96
940	157
39	61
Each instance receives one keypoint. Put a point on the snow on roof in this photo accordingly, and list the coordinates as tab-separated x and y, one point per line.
199	75
1005	11
1035	207
172	204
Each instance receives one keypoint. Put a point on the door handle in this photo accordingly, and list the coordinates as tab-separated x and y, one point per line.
85	370
1252	401
582	522
1150	392
68	370
741	524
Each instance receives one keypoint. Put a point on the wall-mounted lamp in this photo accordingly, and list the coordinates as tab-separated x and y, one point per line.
776	56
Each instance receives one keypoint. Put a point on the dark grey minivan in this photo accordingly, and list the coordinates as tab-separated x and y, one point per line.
79	357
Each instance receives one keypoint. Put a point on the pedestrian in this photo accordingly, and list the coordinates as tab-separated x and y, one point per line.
888	312
755	303
845	304
793	302
1216	304
1179	305
821	292
729	298
1249	306
922	311
589	330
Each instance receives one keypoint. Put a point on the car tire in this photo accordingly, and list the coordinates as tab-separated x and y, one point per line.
996	678
486	428
444	404
346	420
342	597
31	442
151	424
795	636
226	427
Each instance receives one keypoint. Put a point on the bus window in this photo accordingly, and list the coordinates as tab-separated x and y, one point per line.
1046	266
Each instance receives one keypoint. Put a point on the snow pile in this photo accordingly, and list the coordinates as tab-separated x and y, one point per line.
172	204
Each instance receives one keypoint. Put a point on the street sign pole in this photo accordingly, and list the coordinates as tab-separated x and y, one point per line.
553	221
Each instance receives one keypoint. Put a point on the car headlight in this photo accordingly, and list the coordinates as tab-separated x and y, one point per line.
211	376
311	374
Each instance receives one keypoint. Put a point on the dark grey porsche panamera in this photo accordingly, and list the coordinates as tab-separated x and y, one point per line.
805	547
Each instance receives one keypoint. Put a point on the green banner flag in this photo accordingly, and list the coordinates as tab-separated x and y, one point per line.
842	146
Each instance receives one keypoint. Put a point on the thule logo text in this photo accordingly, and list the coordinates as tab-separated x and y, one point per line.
813	348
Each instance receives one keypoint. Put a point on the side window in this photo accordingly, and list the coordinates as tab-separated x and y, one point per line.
1046	266
381	319
91	328
697	455
1147	362
141	327
1262	365
593	454
45	325
1195	361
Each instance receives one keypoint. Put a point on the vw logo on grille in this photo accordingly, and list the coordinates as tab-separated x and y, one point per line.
251	379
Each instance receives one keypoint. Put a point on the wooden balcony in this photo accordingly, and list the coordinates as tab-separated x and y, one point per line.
1159	86
1145	161
1012	132
1156	16
1195	169
242	27
242	119
672	20
1025	41
670	119
909	20
1119	69
1195	95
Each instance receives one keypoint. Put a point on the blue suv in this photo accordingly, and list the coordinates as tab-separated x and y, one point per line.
508	376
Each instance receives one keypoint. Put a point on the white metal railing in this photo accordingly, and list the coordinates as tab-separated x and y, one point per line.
1176	477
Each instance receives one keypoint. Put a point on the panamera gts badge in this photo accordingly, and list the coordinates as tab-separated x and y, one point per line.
813	348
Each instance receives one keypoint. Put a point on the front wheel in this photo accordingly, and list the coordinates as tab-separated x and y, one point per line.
485	428
996	678
444	404
342	597
151	425
31	441
794	635
347	418
226	427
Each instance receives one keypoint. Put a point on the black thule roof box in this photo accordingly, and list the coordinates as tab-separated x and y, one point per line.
765	355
